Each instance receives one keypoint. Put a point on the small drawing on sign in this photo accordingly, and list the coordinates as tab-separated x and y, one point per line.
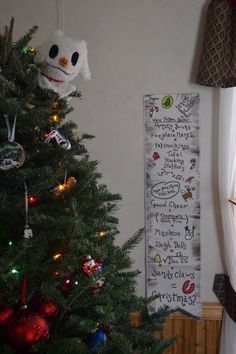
189	179
157	258
152	110
187	287
165	190
193	163
167	102
188	233
188	194
155	155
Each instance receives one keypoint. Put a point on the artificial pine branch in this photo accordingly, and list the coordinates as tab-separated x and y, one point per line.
5	42
23	41
133	241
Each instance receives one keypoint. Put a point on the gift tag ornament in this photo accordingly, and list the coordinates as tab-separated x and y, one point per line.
11	153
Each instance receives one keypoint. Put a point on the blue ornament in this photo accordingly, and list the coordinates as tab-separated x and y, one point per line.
94	340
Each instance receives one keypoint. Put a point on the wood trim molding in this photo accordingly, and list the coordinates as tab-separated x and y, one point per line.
210	311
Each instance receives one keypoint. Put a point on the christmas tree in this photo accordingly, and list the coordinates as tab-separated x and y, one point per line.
65	287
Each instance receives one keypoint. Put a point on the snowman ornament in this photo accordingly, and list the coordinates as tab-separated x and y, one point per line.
63	59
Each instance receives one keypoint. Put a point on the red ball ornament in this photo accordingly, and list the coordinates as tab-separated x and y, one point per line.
5	314
25	329
45	307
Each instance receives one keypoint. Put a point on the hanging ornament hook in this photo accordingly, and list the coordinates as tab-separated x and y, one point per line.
28	233
10	131
23	293
11	153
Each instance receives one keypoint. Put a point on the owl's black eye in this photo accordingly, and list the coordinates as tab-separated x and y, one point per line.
74	58
53	51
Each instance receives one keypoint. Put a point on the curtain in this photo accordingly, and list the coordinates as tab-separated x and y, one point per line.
218	69
227	189
228	338
218	58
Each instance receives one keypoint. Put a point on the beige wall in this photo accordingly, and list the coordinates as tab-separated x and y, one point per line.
135	47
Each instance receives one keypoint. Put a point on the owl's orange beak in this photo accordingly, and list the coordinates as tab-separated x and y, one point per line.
63	61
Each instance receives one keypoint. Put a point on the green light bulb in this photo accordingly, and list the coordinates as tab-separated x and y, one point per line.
25	50
14	271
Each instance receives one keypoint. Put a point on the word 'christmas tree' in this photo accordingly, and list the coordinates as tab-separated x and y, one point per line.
65	287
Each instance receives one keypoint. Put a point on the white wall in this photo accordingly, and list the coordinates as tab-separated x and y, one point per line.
135	47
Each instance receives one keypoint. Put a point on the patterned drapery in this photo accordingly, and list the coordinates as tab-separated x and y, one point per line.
218	58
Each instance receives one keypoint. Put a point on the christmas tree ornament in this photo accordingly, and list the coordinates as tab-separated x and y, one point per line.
11	153
25	329
98	285
60	140
5	314
96	339
90	266
70	183
65	187
45	307
64	59
28	233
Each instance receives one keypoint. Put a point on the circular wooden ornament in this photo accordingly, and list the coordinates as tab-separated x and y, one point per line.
12	155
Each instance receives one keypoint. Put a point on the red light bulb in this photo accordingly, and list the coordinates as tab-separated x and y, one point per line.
32	200
45	135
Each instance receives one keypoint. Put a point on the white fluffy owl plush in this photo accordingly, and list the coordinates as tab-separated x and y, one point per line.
64	59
